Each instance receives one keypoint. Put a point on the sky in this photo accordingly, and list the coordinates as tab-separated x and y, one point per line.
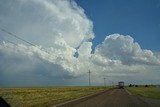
56	42
137	18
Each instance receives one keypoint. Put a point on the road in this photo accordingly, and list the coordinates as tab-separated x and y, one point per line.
111	98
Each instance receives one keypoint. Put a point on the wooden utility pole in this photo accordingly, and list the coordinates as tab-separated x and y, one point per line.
89	77
104	82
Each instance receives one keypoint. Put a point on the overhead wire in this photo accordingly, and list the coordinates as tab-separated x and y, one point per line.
4	30
19	38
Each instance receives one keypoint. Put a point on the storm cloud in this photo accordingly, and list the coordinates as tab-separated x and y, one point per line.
63	53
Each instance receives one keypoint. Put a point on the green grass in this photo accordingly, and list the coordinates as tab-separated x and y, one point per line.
149	92
44	97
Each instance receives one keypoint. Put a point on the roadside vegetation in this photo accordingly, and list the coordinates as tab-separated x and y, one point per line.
149	92
44	97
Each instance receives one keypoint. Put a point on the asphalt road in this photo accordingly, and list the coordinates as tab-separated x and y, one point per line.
111	98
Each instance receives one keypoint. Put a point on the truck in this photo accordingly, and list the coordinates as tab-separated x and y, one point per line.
121	84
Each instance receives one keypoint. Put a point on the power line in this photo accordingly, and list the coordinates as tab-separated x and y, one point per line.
19	38
4	30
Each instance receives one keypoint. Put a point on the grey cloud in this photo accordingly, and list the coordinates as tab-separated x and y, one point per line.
60	34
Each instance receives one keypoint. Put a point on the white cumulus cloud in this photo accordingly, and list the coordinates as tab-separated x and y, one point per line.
40	21
63	34
124	48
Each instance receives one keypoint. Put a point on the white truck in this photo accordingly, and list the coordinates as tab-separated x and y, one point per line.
121	84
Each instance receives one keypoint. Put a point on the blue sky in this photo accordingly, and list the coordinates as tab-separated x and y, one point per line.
137	18
60	29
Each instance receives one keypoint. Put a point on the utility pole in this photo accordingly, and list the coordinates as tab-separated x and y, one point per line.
112	84
104	82
89	78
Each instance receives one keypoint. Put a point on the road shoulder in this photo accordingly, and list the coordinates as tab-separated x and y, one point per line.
78	100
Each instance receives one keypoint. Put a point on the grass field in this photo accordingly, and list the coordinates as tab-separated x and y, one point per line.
149	92
42	97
